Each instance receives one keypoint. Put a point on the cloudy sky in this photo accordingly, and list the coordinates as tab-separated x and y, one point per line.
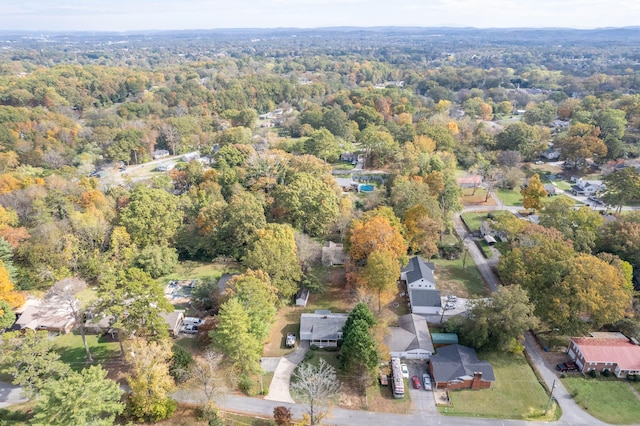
124	15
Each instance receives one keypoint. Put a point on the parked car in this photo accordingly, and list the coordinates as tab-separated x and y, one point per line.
452	298
539	162
291	340
416	382
567	366
193	321
190	329
449	305
426	379
405	371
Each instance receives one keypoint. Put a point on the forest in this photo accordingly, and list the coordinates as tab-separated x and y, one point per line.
274	117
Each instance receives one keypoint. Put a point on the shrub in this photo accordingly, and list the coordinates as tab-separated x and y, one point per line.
606	373
593	373
246	384
631	377
180	363
308	356
313	347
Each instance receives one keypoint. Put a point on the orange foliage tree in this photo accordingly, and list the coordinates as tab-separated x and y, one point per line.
374	234
7	293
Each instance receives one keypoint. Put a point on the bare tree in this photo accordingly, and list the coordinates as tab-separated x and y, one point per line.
63	296
309	251
204	374
317	386
172	136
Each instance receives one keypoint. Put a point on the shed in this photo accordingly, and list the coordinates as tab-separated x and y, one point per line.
302	297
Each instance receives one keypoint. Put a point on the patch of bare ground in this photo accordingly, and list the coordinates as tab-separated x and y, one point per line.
476	198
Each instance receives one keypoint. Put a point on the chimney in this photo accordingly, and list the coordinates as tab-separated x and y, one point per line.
477	380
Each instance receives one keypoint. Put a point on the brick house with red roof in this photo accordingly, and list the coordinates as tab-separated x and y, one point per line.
606	351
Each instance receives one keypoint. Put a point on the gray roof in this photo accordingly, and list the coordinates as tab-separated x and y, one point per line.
322	326
418	269
412	333
455	361
425	297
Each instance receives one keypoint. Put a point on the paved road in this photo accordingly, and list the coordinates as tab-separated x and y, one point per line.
279	388
484	267
10	394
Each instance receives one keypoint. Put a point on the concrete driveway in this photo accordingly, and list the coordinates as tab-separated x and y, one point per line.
422	401
279	388
10	394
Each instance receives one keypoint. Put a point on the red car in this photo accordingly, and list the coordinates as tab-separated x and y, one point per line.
416	382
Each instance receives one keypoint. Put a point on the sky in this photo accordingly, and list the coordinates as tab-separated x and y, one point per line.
131	15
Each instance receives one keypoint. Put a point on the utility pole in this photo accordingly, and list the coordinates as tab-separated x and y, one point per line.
550	397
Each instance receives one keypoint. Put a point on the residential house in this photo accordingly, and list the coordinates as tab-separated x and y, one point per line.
606	351
174	321
411	340
160	153
550	188
165	167
37	315
458	367
587	187
421	286
191	156
322	328
333	254
346	184
472	181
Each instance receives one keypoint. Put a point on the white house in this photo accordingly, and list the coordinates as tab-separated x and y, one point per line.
421	286
411	340
587	187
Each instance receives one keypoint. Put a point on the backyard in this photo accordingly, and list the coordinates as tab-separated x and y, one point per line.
71	349
611	401
453	278
516	393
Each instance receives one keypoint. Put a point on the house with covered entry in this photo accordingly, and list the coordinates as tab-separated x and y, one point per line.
411	339
322	328
421	286
587	187
606	351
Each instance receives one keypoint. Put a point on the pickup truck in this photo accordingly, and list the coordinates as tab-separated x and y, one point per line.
291	340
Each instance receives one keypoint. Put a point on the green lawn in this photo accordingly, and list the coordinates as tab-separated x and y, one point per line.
516	393
71	349
453	278
342	166
509	197
608	400
473	220
563	184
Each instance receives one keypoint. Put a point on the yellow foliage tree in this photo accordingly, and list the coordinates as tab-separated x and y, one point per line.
374	234
534	193
7	292
150	381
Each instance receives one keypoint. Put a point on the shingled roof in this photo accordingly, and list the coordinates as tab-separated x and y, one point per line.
418	269
457	362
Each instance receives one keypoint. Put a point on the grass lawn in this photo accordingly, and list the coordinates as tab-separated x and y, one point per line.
71	349
342	166
453	278
473	220
573	200
486	249
563	184
380	399
608	400
509	197
516	393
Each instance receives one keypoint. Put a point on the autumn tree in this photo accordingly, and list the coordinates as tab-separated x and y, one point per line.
282	415
274	251
316	386
239	222
580	143
79	398
7	292
323	145
150	382
530	141
533	194
374	234
381	273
